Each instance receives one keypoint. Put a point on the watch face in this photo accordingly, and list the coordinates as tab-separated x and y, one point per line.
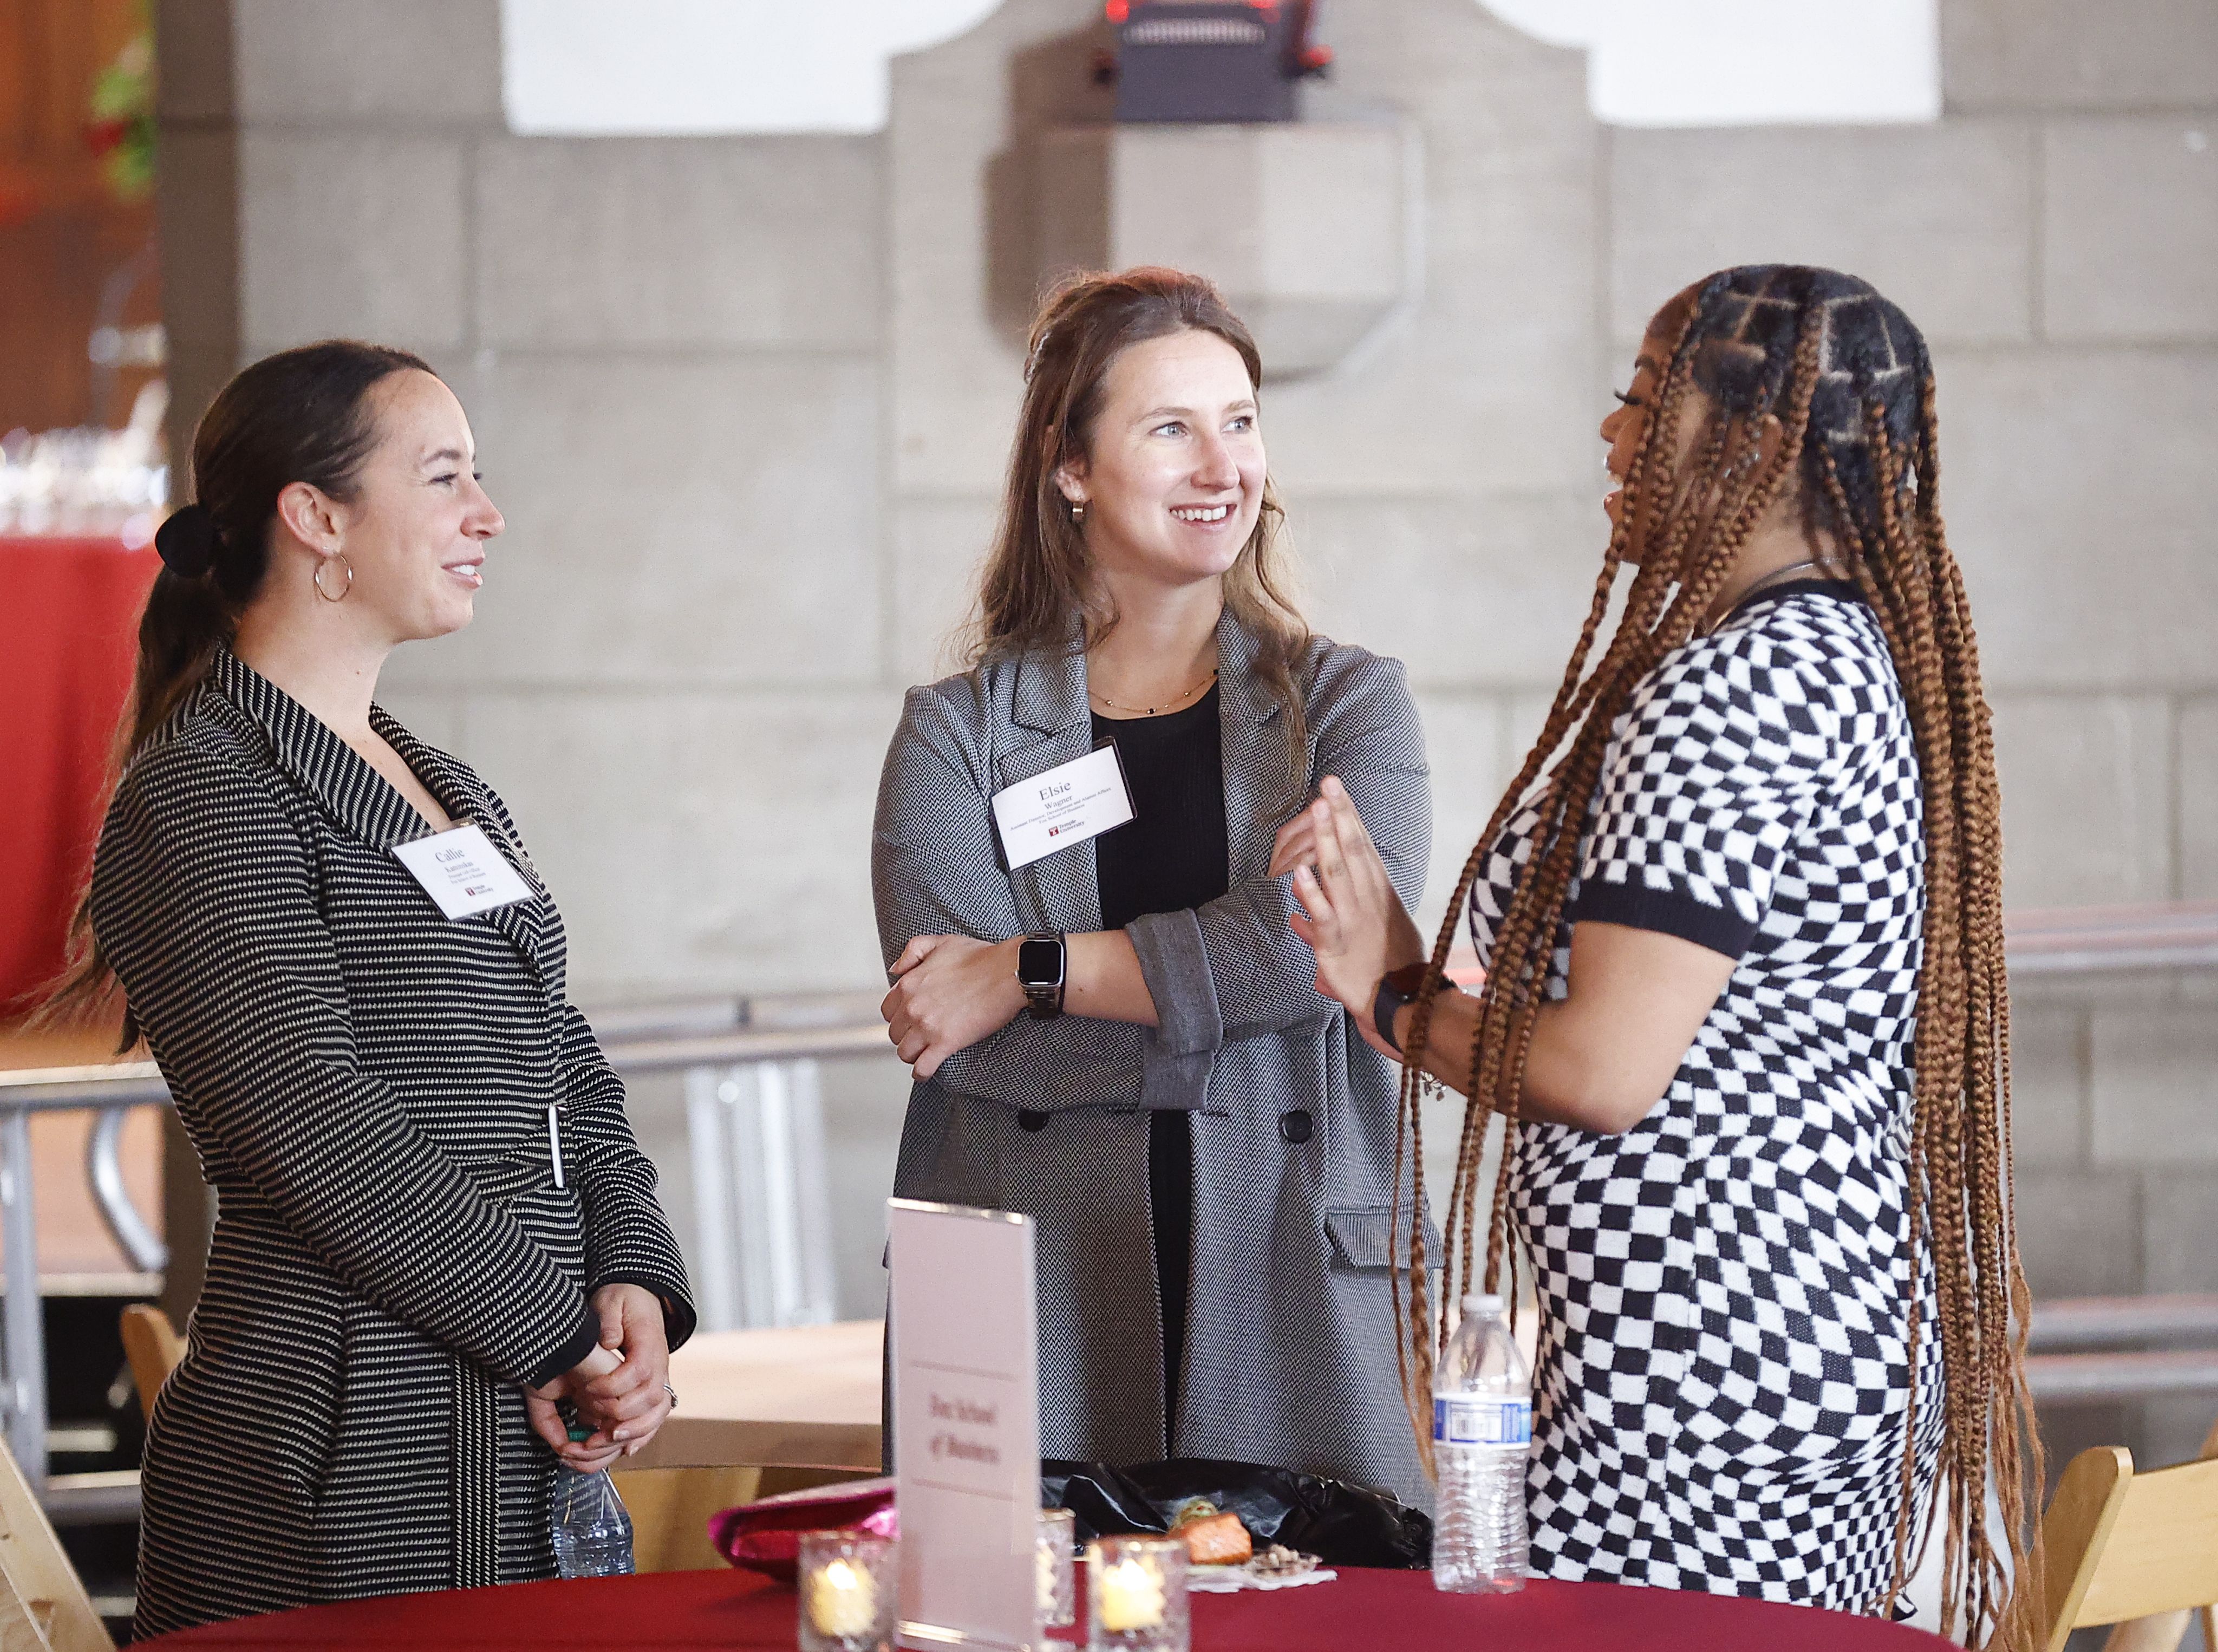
1040	963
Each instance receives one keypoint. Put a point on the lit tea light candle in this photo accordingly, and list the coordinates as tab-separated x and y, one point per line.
1130	1597
843	1600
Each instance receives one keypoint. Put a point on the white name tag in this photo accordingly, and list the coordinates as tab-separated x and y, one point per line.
463	871
1062	808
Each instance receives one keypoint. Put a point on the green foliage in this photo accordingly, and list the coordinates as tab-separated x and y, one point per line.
121	129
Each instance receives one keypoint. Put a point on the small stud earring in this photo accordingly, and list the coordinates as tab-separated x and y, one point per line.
1078	511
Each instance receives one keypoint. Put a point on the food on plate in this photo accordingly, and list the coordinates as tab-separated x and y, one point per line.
1216	1540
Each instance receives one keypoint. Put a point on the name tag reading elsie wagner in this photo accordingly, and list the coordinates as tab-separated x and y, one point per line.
463	871
1063	807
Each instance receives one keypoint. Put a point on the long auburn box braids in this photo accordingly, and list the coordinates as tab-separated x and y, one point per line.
1850	381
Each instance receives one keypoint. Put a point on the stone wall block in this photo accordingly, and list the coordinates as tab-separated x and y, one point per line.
2180	1234
2156	1088
2138	263
2086	798
703	520
939	551
1937	217
312	63
193	41
2080	1234
1486	590
2073	482
2072	54
1463	739
359	235
2198	800
1488	385
697	841
2049	1085
648	241
963	271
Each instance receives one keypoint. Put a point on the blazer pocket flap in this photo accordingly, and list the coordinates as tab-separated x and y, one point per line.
1363	1236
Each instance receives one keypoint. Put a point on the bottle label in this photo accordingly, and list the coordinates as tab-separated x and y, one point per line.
1483	1422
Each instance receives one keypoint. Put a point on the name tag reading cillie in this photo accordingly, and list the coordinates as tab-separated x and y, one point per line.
1062	807
965	1359
463	871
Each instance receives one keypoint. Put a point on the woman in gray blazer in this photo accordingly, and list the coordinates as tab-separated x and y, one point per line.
1121	1038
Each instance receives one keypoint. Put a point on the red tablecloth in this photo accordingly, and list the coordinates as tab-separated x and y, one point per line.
1359	1610
69	624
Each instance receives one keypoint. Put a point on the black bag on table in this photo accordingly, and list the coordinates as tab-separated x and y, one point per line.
1340	1524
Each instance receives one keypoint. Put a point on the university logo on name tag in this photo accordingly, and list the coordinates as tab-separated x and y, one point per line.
463	871
1063	807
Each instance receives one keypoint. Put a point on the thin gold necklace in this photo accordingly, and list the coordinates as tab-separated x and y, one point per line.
1151	711
1776	577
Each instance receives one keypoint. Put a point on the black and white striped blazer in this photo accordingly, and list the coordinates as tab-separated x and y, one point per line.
367	1085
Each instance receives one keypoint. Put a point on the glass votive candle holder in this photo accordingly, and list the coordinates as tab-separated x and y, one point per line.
848	1592
1136	1596
1058	1595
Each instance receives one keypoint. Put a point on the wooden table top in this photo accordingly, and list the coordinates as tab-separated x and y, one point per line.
802	1397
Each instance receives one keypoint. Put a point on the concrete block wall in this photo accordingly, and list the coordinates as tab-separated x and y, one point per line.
746	401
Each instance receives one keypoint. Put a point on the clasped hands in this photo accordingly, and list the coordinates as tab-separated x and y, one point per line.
620	1390
1349	912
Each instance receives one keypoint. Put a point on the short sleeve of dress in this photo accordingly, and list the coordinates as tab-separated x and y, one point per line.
1712	771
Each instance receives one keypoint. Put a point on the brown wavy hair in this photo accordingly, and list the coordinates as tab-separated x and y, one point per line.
1850	379
1038	588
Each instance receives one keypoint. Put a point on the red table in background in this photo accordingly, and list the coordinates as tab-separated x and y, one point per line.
69	624
1358	1610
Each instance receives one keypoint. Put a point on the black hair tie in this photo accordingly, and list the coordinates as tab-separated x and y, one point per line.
188	541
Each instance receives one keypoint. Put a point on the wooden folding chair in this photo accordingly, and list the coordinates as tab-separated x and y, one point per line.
43	1606
153	1346
2137	1550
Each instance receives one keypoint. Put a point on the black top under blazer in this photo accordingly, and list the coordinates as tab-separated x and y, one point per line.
367	1084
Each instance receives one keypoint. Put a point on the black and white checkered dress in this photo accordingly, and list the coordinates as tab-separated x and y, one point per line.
1723	1372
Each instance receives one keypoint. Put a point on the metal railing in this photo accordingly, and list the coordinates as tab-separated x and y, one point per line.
763	1227
762	1212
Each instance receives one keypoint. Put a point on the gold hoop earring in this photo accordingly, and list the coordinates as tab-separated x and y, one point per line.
324	562
1078	511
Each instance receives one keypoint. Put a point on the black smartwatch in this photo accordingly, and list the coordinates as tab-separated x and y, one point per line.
1040	967
1396	987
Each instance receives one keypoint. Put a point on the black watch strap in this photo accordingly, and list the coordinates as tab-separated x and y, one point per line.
1396	987
1043	967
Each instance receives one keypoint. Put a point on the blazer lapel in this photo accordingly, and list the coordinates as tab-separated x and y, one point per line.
464	796
329	770
1253	744
1050	723
363	803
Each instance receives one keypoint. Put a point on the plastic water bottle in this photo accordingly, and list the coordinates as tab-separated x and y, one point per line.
592	1529
1482	1432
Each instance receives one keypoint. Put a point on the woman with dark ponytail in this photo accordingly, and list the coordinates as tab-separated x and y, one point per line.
1744	1007
435	1227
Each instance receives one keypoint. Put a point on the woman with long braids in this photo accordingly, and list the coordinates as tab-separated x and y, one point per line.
1744	1006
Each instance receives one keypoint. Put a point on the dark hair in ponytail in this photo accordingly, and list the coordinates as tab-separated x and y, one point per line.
302	415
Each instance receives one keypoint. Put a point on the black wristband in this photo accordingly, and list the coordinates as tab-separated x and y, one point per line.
1396	987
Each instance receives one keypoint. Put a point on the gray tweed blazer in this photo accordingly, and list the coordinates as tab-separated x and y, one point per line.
1290	1346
